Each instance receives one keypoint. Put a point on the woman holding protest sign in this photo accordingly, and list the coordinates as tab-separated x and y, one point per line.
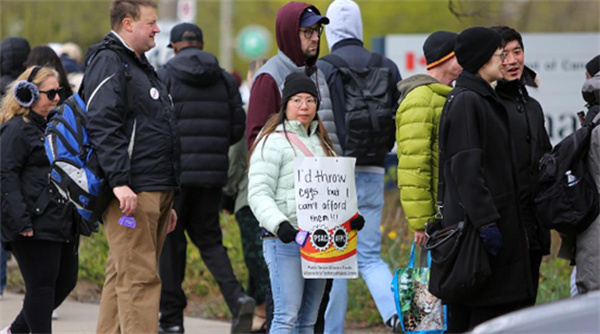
296	131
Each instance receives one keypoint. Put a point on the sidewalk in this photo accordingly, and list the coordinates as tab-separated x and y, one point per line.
76	317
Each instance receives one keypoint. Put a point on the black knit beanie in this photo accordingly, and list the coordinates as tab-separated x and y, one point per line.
593	66
475	46
439	48
298	82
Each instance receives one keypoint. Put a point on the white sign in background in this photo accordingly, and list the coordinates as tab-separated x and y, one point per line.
325	198
558	58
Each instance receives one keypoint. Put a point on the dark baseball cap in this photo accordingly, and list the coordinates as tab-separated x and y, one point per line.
185	32
310	17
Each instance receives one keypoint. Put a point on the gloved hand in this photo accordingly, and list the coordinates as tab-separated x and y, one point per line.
357	223
286	232
491	237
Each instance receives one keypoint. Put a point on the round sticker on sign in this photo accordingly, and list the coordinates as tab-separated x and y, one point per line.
154	93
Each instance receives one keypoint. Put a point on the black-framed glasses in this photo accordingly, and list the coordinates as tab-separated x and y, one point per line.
502	55
52	93
308	32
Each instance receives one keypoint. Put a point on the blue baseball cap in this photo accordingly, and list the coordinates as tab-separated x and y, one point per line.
310	17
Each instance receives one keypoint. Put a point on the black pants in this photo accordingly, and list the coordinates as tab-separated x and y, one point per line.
49	270
258	273
535	260
462	318
198	215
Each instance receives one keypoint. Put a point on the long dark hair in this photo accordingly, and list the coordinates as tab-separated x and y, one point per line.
280	118
43	55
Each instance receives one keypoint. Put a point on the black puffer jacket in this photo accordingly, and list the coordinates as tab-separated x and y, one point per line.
28	199
480	184
155	156
209	113
13	53
530	141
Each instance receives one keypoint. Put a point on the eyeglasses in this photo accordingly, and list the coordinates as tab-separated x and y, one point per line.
297	102
502	55
52	93
308	32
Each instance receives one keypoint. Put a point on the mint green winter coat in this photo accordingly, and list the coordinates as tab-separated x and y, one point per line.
417	126
271	181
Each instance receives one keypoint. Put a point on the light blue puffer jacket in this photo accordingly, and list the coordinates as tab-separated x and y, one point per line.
271	180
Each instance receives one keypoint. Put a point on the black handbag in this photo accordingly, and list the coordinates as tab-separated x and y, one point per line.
459	262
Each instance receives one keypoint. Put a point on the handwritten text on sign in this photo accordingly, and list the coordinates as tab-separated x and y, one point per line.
326	202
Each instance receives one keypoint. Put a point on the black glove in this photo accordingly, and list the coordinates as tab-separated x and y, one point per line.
357	223
286	232
491	237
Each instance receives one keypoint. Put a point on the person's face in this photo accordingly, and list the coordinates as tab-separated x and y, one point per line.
301	107
143	30
44	104
453	69
310	45
515	61
492	70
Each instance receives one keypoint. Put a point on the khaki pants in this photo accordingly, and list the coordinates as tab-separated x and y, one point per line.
131	293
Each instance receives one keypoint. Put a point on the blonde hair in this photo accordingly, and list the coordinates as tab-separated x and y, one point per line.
10	107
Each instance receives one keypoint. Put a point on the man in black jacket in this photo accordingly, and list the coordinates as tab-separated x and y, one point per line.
13	54
210	118
131	123
345	39
529	138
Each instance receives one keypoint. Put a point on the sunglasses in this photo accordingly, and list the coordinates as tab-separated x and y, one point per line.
52	92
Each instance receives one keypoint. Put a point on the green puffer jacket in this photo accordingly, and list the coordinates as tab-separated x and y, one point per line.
417	127
271	180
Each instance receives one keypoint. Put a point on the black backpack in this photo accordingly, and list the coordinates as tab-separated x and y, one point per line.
369	118
567	198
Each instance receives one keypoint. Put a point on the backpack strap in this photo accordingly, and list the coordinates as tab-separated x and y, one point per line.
296	141
335	60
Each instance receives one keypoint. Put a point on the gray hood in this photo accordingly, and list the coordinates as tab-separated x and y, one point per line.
345	22
408	84
591	90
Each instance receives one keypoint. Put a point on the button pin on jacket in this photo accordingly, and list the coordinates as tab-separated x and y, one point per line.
154	93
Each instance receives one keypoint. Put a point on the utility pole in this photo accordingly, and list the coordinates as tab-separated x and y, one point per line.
226	29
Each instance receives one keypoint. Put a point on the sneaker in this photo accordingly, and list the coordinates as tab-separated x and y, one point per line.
394	324
242	319
6	330
170	329
54	315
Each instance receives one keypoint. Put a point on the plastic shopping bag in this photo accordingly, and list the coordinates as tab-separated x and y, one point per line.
419	311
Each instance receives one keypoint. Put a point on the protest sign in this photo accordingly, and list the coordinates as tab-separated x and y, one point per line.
325	204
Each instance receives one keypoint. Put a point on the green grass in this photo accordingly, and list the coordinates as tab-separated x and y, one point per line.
205	298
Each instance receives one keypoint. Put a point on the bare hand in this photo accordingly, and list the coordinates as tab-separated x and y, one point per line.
127	200
172	221
420	238
27	233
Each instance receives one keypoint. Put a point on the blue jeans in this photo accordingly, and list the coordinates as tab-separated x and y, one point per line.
295	300
3	260
374	271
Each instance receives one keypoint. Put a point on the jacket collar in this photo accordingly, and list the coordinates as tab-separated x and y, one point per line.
297	128
511	88
477	84
346	42
36	119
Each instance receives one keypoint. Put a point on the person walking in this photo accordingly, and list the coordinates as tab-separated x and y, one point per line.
480	176
345	40
131	123
210	118
38	225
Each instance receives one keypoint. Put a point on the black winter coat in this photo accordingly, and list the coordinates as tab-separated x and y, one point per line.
13	53
531	142
480	184
354	53
29	201
209	112
111	118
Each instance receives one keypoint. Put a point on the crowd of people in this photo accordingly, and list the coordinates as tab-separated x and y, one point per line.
177	146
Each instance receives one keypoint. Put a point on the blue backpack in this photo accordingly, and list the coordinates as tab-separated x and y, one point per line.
75	169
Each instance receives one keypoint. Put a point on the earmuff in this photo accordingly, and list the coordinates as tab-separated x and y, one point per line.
25	91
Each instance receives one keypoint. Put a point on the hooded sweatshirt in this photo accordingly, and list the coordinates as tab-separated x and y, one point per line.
265	94
417	128
209	113
13	53
345	39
